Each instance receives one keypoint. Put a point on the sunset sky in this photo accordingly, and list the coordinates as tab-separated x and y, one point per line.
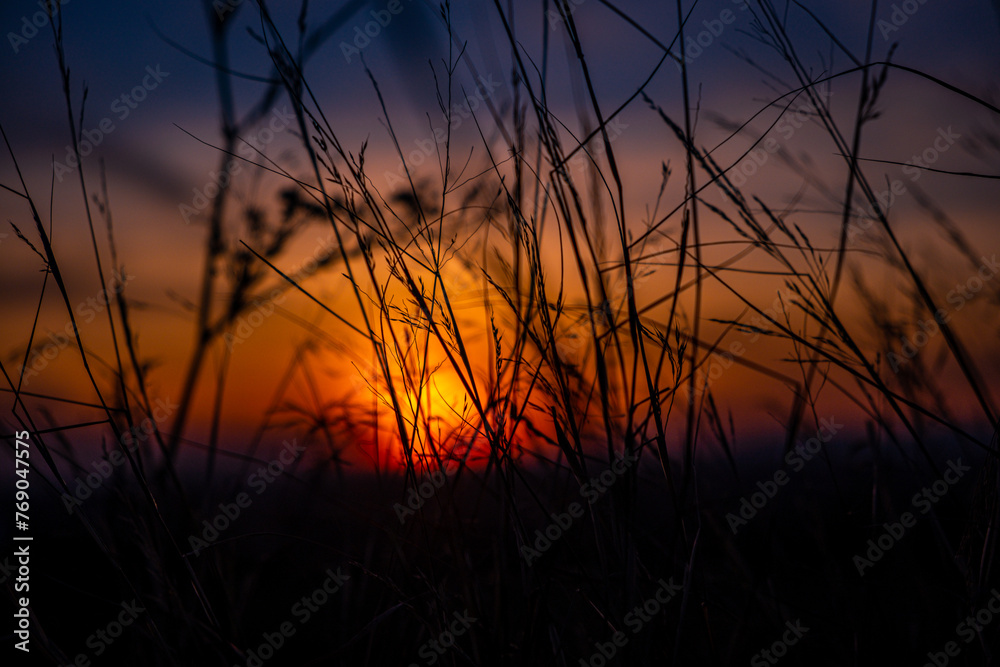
157	170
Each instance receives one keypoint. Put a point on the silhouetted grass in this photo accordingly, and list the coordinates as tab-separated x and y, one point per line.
573	335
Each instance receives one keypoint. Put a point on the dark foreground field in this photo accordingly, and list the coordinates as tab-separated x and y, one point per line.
319	568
